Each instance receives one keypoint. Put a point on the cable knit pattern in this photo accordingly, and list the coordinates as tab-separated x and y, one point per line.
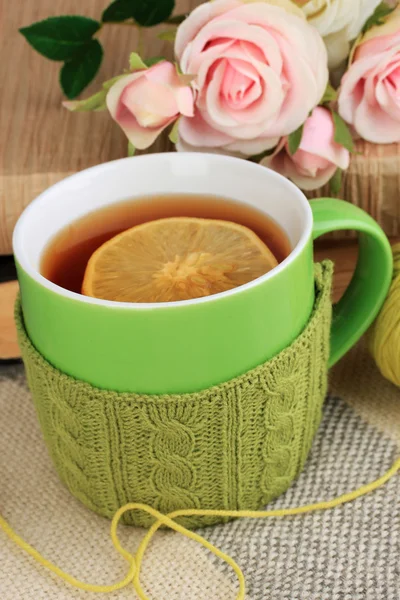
237	445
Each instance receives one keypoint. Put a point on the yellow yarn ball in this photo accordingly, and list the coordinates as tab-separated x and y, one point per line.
384	339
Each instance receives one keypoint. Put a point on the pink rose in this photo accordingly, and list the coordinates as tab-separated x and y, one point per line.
369	98
318	156
145	102
260	69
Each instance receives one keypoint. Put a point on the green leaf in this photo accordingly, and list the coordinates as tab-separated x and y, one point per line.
257	158
145	12
173	134
60	38
151	12
184	78
378	16
168	35
294	140
97	102
154	60
131	149
77	73
335	184
135	62
176	20
119	10
178	68
342	132
330	95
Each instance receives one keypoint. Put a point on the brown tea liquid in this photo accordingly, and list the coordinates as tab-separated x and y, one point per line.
67	254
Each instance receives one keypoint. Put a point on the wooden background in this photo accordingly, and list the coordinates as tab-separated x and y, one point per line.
40	142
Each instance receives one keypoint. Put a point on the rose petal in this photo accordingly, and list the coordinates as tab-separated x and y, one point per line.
241	149
351	83
163	72
215	39
338	47
385	86
318	139
375	125
287	5
318	157
141	137
261	12
309	164
194	63
260	70
116	90
182	146
356	22
216	114
272	95
148	99
329	17
282	163
241	86
271	19
238	84
199	17
185	101
197	132
286	26
301	97
310	183
390	27
252	147
144	103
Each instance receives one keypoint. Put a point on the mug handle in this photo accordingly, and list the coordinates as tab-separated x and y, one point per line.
361	302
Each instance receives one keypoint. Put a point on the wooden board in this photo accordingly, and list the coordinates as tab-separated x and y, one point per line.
373	183
41	143
8	335
344	254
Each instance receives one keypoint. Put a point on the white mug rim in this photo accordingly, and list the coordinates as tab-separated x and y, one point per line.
23	222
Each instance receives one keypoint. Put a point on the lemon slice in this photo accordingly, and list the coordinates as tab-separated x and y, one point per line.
176	259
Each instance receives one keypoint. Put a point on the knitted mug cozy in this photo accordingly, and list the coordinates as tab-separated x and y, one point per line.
234	446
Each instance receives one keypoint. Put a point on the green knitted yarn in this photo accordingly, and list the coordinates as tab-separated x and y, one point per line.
237	445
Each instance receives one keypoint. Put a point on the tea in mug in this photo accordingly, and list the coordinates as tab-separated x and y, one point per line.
164	248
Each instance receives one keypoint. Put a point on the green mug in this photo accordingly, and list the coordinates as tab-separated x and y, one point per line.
187	346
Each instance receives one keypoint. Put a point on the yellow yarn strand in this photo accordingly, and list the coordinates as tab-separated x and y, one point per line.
384	338
87	587
135	561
